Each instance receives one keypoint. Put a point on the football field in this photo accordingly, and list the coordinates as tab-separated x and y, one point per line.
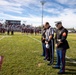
22	55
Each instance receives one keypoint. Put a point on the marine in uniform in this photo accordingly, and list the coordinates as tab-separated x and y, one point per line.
49	43
61	47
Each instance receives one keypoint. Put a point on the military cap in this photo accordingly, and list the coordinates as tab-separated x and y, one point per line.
58	22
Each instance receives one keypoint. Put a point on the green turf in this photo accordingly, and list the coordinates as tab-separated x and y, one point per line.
22	56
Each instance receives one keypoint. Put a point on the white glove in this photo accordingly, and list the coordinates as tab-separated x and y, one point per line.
47	45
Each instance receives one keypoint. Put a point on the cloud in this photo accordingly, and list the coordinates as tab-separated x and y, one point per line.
68	20
68	17
7	6
19	6
30	11
62	1
8	3
67	2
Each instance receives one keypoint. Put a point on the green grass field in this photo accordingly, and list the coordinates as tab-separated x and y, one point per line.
22	56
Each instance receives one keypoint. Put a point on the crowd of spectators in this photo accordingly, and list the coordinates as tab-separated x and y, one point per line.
20	28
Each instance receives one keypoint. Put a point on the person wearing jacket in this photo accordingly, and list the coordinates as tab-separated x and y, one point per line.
61	47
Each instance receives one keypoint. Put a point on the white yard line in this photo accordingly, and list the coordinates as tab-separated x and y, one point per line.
72	61
34	38
7	36
4	37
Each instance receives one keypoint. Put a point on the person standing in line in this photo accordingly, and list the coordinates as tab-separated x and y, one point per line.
61	47
12	29
49	43
8	29
43	41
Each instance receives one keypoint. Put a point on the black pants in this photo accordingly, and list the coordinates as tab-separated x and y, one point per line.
12	32
51	51
8	32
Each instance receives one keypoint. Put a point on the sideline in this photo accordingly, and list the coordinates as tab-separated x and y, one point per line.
71	61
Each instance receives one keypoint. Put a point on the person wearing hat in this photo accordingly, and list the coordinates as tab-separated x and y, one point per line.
49	43
61	47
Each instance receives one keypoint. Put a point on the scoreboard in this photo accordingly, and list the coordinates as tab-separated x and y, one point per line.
13	22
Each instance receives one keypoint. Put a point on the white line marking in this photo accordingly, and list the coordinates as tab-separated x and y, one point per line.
34	39
4	37
7	36
72	61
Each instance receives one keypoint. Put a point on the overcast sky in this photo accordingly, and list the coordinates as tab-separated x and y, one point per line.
30	11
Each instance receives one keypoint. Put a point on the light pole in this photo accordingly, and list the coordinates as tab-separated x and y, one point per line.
42	3
24	22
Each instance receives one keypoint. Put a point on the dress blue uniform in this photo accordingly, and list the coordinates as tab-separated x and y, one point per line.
62	46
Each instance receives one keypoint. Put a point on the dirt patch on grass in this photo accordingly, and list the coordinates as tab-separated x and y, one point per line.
40	64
